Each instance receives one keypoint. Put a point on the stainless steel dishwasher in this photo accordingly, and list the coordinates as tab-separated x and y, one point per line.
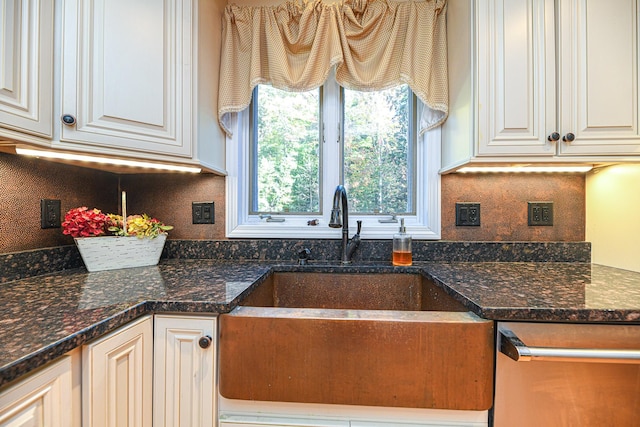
567	375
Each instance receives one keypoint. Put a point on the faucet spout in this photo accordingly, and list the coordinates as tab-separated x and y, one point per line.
340	195
340	218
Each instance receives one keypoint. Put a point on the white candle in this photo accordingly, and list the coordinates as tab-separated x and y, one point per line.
124	212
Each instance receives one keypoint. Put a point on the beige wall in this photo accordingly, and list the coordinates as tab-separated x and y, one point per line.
613	216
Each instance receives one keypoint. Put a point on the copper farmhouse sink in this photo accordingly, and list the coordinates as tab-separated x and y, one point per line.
372	291
377	339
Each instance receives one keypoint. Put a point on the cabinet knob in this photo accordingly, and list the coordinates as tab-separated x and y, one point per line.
68	119
568	137
554	137
204	341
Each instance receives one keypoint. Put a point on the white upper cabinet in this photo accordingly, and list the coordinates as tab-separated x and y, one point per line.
127	75
26	68
135	78
516	77
138	77
598	77
525	72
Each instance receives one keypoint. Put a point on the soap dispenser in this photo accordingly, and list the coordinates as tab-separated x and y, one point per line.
401	246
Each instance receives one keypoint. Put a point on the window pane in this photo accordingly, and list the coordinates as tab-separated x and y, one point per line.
286	157
378	150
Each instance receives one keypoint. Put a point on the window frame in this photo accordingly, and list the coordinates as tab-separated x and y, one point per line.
425	224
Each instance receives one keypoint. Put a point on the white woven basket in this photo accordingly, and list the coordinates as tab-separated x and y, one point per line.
113	252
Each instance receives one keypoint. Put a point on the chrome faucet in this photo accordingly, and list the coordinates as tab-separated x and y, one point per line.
340	218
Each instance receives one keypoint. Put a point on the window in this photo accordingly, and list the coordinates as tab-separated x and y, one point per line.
378	153
291	149
285	152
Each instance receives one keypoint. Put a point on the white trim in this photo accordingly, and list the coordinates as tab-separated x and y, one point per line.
261	414
239	224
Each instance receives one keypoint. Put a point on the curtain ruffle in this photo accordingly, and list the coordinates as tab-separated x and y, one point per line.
374	44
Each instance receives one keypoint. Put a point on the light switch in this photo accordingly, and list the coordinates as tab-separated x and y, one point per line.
203	213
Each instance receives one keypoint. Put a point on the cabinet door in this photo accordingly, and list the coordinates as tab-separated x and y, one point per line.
43	399
26	66
117	378
127	76
598	75
184	372
516	77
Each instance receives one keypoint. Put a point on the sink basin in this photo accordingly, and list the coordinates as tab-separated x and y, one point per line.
372	291
380	339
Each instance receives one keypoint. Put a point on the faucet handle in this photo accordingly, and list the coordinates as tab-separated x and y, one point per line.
303	256
359	222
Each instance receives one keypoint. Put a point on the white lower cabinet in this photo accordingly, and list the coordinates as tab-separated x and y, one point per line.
266	421
184	371
261	421
112	381
156	371
271	422
43	399
117	382
241	413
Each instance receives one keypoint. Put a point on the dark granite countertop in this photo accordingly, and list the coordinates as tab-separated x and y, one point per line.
543	292
43	317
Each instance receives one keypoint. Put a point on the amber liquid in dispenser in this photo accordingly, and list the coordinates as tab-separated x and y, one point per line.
401	247
402	258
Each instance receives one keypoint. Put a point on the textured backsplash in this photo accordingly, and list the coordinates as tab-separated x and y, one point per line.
503	204
24	181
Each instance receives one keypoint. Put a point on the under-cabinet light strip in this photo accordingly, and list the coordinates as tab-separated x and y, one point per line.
105	160
578	169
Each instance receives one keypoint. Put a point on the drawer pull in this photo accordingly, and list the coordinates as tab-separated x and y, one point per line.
517	350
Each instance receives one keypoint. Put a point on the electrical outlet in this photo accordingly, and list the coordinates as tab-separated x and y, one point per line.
49	213
468	214
203	213
540	213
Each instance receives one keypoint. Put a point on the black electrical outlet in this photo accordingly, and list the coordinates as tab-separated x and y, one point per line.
203	213
49	213
540	213
468	214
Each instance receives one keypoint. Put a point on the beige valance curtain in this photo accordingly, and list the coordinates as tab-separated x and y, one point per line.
374	44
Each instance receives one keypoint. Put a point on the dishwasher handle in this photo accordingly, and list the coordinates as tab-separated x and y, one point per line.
513	347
